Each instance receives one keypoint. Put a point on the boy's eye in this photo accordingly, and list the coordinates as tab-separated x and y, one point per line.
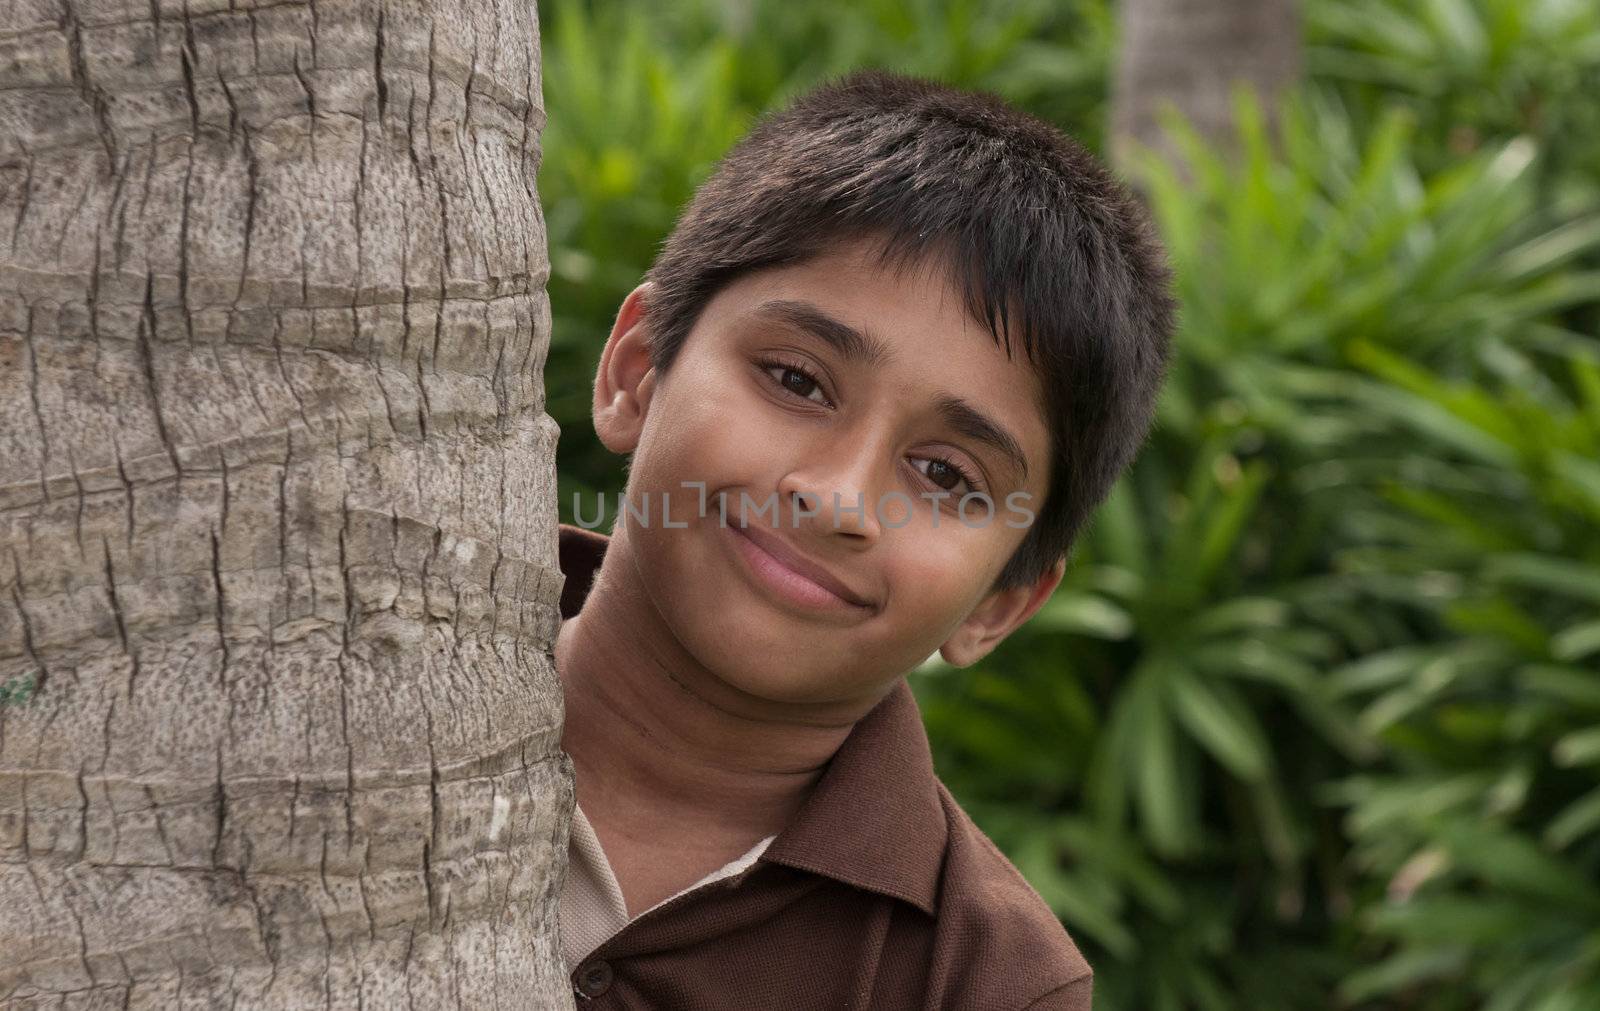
797	381
946	474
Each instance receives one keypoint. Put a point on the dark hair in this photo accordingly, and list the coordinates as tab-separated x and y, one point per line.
1044	242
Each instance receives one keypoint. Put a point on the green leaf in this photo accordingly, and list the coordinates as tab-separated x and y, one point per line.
1403	971
1546	572
1241	613
1576	820
1581	747
1084	614
1507	860
1162	807
1435	422
1552	249
1221	722
1070	899
1120	530
1224	526
1567	685
1577	641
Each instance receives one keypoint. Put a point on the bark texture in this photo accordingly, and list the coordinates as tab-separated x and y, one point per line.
279	724
1192	53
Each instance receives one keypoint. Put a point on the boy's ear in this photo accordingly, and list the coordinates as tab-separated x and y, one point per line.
626	379
998	616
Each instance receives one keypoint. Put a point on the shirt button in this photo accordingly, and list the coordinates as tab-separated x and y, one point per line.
594	978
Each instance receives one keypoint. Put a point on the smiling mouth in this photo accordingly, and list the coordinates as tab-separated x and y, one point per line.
784	578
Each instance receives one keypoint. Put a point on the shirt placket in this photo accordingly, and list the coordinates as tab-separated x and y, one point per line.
596	975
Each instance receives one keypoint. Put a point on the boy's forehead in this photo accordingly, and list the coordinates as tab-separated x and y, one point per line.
881	301
917	298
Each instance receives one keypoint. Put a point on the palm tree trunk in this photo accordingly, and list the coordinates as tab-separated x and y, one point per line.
1192	53
278	718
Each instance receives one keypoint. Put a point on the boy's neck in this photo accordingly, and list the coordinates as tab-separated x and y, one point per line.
666	753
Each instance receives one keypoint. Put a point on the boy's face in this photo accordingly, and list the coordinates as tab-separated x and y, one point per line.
762	407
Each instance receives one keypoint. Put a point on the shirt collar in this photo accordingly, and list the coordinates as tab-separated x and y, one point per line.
874	820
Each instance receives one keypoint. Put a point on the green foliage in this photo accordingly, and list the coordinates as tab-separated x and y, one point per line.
1487	821
1475	72
1314	720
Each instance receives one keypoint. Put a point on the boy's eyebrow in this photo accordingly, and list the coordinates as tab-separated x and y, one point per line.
974	424
855	345
842	337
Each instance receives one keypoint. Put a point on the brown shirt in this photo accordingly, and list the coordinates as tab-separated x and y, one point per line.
880	894
592	904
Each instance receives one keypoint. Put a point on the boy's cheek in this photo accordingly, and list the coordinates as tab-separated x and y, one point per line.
702	445
940	576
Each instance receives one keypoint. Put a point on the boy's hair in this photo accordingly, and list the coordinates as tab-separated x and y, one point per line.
1043	241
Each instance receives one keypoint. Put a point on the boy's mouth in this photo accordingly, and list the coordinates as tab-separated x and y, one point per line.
791	574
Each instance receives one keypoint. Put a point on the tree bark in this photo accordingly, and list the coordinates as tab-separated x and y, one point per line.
1192	53
278	585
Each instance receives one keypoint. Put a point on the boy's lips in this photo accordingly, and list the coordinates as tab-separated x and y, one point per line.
792	573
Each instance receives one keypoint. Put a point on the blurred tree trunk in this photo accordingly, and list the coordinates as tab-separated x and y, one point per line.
278	579
1192	53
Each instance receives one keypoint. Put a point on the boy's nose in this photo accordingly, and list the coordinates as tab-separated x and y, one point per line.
834	494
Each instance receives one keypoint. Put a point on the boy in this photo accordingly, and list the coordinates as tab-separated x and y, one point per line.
893	354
